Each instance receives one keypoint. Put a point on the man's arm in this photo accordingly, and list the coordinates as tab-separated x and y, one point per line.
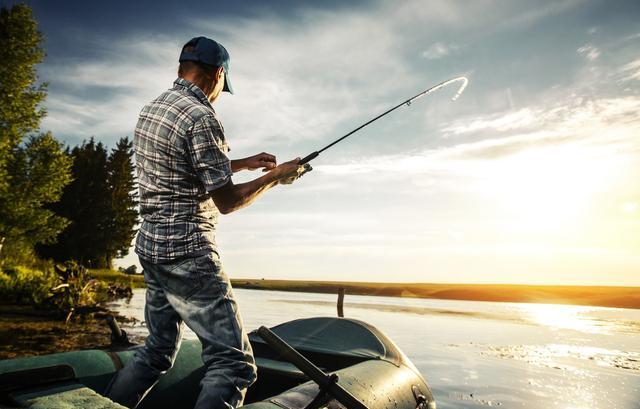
230	197
262	160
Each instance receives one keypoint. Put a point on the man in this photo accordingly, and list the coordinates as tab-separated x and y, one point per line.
184	177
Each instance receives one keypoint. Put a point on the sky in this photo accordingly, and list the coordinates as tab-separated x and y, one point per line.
530	177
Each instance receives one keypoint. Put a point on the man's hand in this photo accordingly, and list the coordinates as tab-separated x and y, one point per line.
288	172
263	160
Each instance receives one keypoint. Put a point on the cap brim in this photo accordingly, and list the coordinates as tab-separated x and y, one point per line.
227	84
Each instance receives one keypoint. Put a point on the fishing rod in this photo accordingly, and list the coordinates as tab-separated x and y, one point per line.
464	80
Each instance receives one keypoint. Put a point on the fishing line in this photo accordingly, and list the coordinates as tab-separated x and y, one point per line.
464	80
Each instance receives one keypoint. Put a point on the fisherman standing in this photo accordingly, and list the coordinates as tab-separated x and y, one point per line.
184	178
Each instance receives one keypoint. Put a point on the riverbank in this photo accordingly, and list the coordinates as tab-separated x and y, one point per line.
41	312
596	296
601	296
26	331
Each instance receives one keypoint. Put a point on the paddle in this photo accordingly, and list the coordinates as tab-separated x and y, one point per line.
327	383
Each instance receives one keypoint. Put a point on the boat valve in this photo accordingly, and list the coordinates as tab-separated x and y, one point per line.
422	402
119	337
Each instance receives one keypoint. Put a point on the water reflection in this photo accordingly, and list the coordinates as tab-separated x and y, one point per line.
564	317
589	320
570	358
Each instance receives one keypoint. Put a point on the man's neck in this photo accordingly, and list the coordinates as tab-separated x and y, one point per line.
205	85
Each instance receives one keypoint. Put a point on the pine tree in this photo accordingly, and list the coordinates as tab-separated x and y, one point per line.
86	203
122	186
101	204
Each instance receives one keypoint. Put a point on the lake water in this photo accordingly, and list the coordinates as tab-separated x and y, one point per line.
481	354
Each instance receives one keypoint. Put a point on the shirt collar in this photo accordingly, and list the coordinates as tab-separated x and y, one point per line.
190	87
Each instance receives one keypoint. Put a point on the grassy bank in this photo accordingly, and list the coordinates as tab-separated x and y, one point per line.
620	297
63	287
118	277
56	309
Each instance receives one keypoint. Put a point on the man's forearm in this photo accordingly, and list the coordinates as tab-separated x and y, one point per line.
235	197
238	164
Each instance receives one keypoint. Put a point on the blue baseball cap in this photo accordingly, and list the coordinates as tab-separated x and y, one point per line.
207	51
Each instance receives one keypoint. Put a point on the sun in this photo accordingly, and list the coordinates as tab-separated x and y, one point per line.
548	189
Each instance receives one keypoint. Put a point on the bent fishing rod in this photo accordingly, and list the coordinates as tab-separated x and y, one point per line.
464	80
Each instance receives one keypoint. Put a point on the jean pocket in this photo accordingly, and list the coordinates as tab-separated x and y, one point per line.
182	279
211	273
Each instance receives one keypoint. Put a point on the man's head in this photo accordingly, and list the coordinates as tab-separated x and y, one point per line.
206	63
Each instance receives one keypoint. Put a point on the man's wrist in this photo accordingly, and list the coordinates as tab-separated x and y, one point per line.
238	164
275	177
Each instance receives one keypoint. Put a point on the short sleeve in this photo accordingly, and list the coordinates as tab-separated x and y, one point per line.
206	151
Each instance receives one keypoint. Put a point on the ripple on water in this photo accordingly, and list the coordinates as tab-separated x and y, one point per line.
561	356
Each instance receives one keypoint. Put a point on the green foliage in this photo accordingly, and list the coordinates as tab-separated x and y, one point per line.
76	289
22	285
85	202
119	278
65	289
20	253
101	204
122	187
32	172
39	170
19	93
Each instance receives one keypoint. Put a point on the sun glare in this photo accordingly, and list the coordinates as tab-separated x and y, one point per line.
562	317
548	190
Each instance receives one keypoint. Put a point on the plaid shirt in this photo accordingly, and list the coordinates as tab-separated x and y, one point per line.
181	155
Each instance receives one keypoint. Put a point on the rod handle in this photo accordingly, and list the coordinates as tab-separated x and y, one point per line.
309	158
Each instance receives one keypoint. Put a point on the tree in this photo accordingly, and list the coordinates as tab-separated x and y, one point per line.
101	204
19	94
86	203
39	170
32	172
122	185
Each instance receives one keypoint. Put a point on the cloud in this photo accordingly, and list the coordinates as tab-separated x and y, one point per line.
298	76
439	50
290	88
102	96
590	52
604	123
631	71
498	122
532	14
306	85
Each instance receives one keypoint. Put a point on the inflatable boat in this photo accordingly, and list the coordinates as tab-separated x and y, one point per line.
321	362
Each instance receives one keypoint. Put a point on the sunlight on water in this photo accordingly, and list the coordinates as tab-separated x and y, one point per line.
563	317
570	358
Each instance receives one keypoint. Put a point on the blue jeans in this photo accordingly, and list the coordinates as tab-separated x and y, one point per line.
195	291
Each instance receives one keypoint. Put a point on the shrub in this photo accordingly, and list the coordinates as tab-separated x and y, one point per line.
23	285
65	288
132	269
76	289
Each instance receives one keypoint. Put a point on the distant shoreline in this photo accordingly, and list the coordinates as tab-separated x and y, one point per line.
597	296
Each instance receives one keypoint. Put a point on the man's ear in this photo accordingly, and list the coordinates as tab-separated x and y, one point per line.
219	72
